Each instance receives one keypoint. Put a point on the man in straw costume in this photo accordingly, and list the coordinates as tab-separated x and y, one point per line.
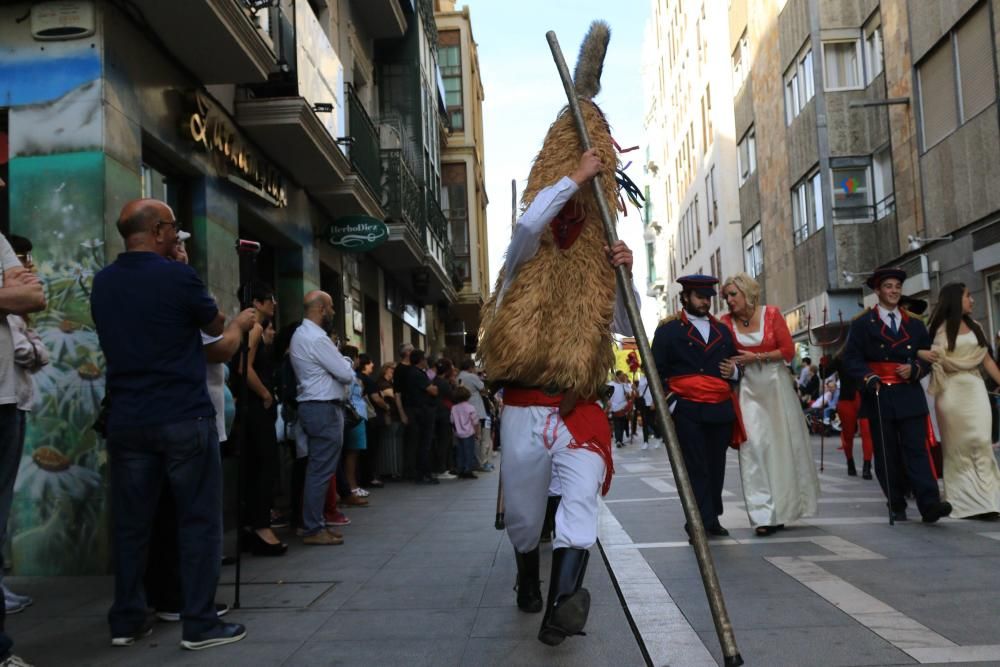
546	339
881	353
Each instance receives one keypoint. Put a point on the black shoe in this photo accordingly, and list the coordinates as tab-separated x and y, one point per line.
765	531
568	603
717	531
129	639
468	475
528	587
852	471
258	546
428	480
221	609
866	470
936	511
223	633
229	560
900	515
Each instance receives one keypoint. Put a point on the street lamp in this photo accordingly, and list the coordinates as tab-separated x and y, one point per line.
917	242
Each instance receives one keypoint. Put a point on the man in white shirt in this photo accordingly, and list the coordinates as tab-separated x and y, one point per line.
620	390
644	402
321	372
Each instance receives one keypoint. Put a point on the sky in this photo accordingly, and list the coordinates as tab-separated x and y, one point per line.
524	94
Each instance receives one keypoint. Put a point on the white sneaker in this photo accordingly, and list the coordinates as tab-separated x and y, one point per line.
14	661
446	475
12	606
657	443
361	493
645	446
24	600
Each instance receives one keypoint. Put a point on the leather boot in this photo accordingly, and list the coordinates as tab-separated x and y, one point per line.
568	602
549	525
866	470
852	471
529	589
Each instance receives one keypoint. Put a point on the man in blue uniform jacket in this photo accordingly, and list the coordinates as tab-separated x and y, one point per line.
881	353
692	352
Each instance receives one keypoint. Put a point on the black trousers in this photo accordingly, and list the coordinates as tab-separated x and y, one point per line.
704	447
411	443
162	580
620	424
259	463
648	423
424	434
904	460
443	441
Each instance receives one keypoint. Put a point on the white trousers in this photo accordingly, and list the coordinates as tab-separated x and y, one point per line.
536	458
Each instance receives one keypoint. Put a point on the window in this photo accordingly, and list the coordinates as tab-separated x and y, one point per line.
799	85
455	206
697	224
650	263
711	204
956	79
852	196
706	118
885	197
741	61
807	208
842	64
873	50
746	155
753	252
450	62
715	262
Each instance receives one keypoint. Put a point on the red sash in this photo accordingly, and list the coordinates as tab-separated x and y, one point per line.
886	372
587	423
708	389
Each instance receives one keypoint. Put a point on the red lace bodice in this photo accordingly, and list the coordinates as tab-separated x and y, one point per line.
776	334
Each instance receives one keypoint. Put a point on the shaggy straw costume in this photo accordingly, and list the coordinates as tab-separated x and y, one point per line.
546	338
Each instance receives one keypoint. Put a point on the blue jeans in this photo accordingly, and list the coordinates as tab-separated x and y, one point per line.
186	455
323	423
11	441
466	454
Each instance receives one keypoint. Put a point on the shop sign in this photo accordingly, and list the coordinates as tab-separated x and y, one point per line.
357	233
211	128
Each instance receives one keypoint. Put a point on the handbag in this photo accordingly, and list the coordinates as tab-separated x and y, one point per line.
351	416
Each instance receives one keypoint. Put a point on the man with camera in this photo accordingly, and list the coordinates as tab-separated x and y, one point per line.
149	312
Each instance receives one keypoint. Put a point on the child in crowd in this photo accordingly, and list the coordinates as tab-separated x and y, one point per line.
465	421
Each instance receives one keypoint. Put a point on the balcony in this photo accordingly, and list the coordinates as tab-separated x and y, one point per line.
383	19
418	234
217	40
365	144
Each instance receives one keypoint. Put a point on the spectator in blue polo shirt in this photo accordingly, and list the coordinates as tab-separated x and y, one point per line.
149	311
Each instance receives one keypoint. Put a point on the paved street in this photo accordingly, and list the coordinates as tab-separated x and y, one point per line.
424	579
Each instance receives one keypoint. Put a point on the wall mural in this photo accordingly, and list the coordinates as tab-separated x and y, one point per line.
59	521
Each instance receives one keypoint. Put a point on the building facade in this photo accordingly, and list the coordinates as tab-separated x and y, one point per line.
463	187
865	134
290	123
690	171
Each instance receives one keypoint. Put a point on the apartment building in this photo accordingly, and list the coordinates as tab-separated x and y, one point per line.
691	162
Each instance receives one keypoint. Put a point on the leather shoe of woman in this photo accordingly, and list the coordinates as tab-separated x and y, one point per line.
258	546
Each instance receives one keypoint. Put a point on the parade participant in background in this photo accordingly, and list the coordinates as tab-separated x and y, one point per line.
647	410
621	389
847	410
546	339
881	353
693	352
959	351
776	462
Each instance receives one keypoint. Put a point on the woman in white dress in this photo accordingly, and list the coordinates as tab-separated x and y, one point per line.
776	462
959	351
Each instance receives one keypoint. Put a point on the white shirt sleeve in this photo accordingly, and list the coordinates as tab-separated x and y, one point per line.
528	230
333	362
620	323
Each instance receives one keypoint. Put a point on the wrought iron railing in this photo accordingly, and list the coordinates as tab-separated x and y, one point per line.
436	219
866	213
365	146
402	199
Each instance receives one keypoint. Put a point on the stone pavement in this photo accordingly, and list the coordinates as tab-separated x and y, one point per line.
842	588
422	579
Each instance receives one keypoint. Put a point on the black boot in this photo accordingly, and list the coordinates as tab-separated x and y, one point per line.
568	603
852	471
529	590
866	470
549	525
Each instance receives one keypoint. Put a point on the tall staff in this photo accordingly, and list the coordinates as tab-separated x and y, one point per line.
720	616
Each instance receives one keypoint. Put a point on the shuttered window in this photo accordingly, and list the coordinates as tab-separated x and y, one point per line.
938	108
975	63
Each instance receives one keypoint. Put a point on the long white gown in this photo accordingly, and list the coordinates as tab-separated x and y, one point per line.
971	476
777	468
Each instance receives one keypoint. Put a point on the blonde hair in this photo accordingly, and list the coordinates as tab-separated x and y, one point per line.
745	284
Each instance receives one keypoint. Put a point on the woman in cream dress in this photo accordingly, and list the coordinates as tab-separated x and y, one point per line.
958	352
776	462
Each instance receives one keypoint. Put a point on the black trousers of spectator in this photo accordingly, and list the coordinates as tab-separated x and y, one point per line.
648	423
368	465
163	572
443	440
411	443
259	463
620	424
424	418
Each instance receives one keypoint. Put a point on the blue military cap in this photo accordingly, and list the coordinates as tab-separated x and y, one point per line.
703	285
